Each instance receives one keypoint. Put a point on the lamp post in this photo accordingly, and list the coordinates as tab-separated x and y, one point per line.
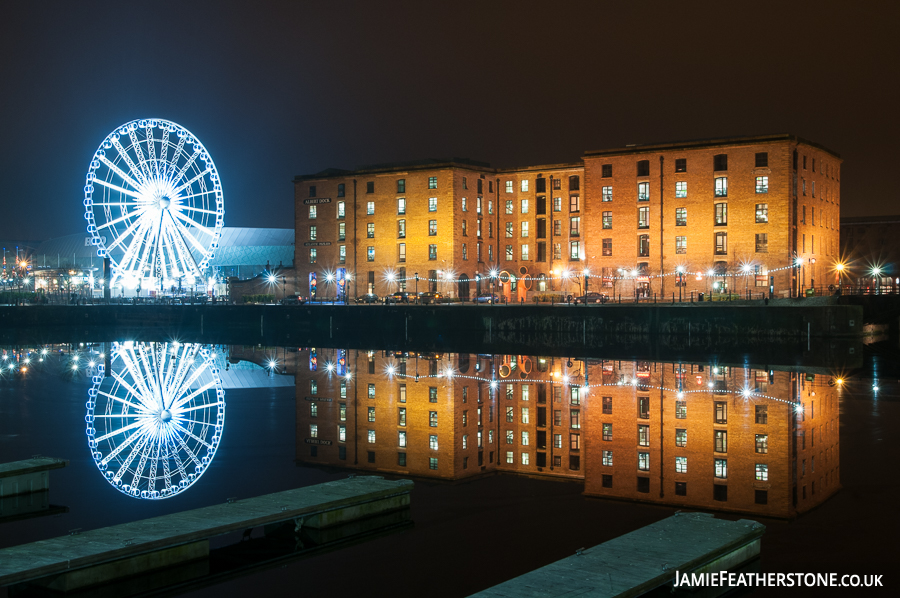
746	269
417	288
876	274
798	266
493	274
680	271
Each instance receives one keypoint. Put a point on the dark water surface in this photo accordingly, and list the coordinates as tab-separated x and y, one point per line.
475	527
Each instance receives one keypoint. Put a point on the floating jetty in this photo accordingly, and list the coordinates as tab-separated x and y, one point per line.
108	554
642	560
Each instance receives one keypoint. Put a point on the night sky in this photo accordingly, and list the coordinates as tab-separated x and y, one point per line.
276	89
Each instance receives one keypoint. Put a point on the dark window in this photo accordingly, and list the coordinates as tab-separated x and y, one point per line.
340	189
607	481
720	162
574	182
480	186
574	462
762	159
644	407
540	185
606	171
312	190
721	243
541	228
680	164
371	456
761	497
401	185
762	414
762	243
680	488
370	187
607	405
541	204
607	246
720	492
643	246
401	459
721	441
721	412
643	484
795	161
643	168
313	451
342	452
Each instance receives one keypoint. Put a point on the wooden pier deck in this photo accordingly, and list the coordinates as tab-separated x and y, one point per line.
29	475
642	560
320	506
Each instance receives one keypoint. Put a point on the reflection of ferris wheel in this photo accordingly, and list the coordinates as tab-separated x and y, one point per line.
155	422
153	203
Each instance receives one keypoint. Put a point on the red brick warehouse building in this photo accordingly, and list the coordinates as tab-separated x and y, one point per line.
737	212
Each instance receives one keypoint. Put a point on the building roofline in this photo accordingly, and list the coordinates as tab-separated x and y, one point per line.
560	166
698	143
426	164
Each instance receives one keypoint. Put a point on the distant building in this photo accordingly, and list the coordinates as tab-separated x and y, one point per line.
868	243
746	209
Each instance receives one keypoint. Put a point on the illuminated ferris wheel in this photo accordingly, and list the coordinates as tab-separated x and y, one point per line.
153	204
155	422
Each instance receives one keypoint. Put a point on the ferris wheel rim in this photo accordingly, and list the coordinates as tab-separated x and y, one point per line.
167	407
170	210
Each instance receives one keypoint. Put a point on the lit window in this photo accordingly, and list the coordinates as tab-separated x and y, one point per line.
371	414
762	472
510	457
509	206
607	193
721	186
607	432
524	415
465	251
762	212
371	436
557	204
607	247
575	226
643	435
680	409
524	206
574	250
762	242
525	438
432	252
432	204
680	464
525	459
509	186
401	439
312	255
762	443
644	461
342	433
680	244
643	191
509	253
721	441
721	243
401	416
432	419
313	431
762	184
525	230
401	205
370	208
432	182
432	463
680	216
342	231
525	186
644	217
401	229
681	189
371	393
465	441
465	205
680	437
607	219
721	468
607	458
574	203
370	254
312	233
525	252
313	210
433	442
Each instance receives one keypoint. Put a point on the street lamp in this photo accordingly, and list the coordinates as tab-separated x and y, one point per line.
680	271
494	275
798	265
876	273
417	288
746	269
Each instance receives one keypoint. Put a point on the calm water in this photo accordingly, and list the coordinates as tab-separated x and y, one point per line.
518	459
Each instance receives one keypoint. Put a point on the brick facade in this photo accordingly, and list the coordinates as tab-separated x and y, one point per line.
745	207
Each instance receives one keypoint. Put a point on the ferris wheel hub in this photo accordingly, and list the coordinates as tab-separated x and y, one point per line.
165	416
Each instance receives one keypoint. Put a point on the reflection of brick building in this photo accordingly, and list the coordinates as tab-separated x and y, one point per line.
615	428
713	447
722	204
401	413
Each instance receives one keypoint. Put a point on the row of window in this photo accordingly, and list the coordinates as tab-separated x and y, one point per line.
721	216
720	164
720	246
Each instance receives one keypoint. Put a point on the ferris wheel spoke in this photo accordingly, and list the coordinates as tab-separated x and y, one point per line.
120	415
135	171
182	420
193	224
187	184
170	245
200	407
185	237
138	446
140	408
191	434
181	379
187	165
163	151
138	375
135	214
121	190
124	445
185	385
130	426
179	402
193	195
122	174
151	151
142	162
125	234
